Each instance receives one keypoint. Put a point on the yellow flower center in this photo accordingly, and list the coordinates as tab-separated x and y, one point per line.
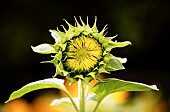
83	54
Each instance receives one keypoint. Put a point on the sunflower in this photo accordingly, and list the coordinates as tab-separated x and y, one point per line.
82	52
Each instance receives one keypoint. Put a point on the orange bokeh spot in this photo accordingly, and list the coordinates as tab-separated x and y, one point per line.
72	89
42	104
18	105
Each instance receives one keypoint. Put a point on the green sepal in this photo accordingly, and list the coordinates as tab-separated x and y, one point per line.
104	41
56	58
57	71
97	36
88	79
112	37
116	44
87	30
70	35
59	68
107	57
102	63
56	46
102	69
77	32
92	74
79	76
63	36
103	30
71	79
59	55
54	61
64	73
94	28
63	46
71	27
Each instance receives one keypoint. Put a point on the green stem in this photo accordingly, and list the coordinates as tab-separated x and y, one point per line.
81	96
72	101
96	107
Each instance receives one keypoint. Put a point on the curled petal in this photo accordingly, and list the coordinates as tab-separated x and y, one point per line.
55	35
43	49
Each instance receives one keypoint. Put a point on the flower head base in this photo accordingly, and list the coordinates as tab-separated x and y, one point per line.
82	52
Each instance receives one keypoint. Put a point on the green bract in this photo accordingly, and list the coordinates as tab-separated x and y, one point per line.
82	52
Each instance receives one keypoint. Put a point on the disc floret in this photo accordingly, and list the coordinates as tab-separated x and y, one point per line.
83	54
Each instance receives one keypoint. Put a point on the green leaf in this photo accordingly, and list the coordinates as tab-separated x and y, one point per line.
112	85
43	49
41	84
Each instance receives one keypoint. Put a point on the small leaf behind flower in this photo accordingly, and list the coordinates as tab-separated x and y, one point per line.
41	84
111	85
114	64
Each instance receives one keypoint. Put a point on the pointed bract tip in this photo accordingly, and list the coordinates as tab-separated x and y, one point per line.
64	28
104	28
95	21
87	21
77	23
82	21
68	23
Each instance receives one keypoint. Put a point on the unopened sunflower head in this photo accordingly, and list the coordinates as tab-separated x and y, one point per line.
82	52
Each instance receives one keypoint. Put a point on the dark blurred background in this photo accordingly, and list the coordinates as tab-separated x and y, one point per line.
26	22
